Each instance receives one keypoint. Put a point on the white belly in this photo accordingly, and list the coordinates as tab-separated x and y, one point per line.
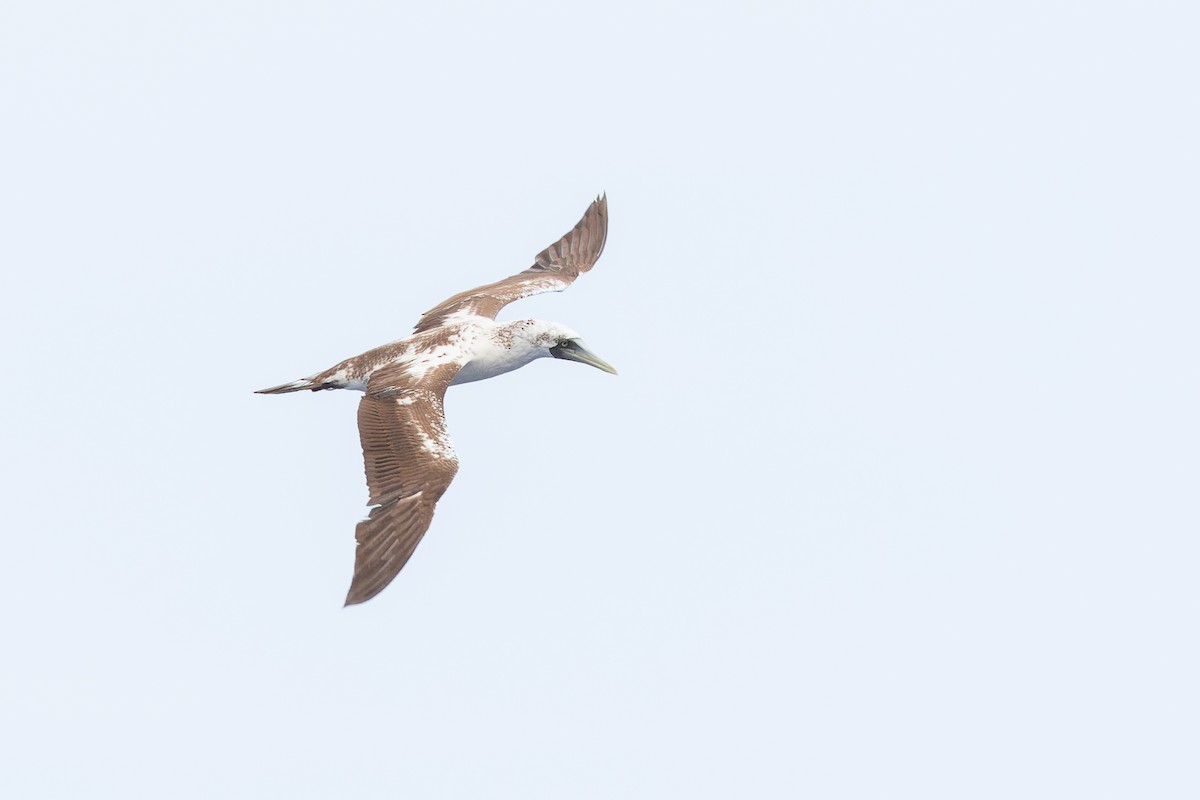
492	360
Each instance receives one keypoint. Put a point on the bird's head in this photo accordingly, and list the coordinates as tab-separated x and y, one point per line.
560	341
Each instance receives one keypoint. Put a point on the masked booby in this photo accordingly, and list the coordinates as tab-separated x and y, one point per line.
409	458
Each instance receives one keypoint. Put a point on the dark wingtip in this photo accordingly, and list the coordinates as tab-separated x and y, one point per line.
354	598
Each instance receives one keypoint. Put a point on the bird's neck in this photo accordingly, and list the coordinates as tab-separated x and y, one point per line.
499	349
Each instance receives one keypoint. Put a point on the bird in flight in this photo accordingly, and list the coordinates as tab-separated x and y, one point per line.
410	461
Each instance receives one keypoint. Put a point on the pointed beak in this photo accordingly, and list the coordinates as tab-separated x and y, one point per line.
573	350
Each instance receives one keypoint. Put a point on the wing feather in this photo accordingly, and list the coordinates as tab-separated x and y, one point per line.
553	270
409	464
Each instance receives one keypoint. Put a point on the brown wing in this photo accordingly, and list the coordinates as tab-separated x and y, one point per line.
554	269
410	463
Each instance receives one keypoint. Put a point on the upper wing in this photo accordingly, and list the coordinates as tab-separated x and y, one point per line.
410	463
554	269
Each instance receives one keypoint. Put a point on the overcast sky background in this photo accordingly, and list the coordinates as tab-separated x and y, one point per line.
895	495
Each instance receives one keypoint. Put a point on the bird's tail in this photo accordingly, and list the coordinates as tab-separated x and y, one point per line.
294	386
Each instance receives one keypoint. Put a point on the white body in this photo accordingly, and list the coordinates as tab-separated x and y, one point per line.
489	359
482	347
500	347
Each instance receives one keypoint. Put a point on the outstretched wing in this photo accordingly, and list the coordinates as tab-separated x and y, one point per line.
554	269
410	463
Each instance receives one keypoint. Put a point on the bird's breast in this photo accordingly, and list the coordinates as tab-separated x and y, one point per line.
489	359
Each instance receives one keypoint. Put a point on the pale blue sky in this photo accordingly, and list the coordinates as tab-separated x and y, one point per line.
894	497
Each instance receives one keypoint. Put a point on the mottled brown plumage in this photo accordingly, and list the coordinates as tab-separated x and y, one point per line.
407	453
554	269
409	464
